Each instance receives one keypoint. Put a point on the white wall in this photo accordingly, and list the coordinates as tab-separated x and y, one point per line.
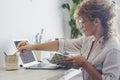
24	18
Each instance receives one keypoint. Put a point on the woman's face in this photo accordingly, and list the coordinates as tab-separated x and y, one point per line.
88	26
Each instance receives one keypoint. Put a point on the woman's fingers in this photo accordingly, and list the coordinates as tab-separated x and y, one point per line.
22	46
22	49
68	59
76	61
23	43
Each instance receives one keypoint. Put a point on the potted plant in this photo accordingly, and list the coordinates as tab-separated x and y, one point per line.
75	31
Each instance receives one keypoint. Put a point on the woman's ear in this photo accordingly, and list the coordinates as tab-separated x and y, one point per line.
97	21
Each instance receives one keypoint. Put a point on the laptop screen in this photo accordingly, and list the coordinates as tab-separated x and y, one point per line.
26	57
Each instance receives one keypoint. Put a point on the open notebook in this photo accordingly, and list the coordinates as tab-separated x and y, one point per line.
29	60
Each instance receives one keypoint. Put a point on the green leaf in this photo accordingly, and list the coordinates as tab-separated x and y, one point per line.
72	23
77	1
72	10
66	5
75	32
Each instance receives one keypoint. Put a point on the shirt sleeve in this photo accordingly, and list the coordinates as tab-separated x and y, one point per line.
111	65
67	45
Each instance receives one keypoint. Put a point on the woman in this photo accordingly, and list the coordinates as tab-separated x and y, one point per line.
99	48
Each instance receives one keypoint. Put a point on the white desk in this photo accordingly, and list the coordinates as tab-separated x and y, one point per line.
23	74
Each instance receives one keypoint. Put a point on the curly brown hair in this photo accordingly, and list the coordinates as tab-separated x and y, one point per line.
102	9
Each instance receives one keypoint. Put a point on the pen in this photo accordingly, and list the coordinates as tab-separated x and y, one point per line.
5	53
15	53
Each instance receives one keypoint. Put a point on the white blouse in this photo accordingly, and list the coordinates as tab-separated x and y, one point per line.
106	60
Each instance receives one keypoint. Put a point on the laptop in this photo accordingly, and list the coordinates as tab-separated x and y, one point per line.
29	60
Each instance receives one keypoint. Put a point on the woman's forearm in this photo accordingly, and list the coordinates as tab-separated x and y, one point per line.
50	46
92	71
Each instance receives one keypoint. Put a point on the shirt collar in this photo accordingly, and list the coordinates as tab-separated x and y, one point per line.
100	41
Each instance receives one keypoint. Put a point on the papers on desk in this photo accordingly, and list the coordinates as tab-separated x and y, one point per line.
67	75
59	60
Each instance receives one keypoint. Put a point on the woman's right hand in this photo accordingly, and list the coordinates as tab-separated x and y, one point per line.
24	46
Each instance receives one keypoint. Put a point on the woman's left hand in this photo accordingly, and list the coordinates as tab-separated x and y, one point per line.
77	61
